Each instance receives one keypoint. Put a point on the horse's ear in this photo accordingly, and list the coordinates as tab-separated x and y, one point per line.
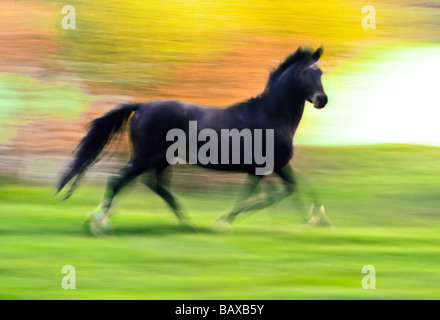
318	53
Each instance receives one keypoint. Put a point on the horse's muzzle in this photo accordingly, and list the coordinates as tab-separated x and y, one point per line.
319	101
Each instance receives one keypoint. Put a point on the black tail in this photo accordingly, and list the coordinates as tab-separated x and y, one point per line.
101	131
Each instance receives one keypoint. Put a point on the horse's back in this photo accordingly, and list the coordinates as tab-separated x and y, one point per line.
153	120
171	112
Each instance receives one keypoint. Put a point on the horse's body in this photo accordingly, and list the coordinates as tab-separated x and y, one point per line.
152	120
278	108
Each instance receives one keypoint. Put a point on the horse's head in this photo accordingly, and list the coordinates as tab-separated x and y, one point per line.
300	72
308	76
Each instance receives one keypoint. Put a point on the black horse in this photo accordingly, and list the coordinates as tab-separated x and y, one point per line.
278	108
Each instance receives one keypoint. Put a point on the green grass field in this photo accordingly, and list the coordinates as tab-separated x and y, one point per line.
383	200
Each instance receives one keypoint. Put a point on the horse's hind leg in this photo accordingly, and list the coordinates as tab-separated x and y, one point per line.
131	170
159	183
225	220
266	199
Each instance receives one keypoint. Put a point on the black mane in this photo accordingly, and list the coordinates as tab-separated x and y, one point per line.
299	55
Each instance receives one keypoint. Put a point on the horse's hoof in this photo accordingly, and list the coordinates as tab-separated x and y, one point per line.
99	228
312	221
222	225
318	217
324	220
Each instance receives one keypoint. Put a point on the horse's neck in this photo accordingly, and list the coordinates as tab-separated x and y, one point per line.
296	115
287	108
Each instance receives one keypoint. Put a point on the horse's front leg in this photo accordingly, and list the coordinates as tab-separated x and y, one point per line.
316	214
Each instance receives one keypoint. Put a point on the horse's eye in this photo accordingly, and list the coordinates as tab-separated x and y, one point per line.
304	72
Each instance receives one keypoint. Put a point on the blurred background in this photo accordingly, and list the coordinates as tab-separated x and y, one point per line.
381	82
372	152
